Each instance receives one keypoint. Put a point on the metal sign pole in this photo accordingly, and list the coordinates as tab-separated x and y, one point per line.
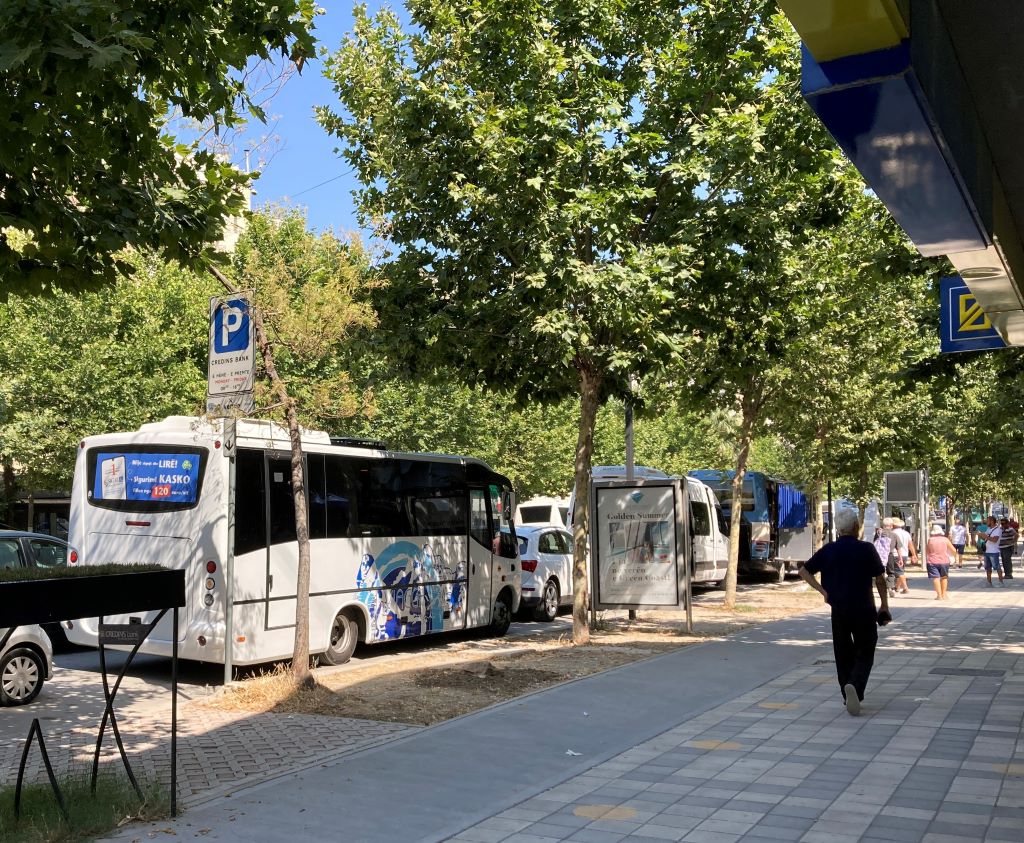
683	497
230	433
594	553
174	718
630	460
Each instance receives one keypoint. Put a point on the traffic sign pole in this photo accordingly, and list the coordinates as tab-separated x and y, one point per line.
230	433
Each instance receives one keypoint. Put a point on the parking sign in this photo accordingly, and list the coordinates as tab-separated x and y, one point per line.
232	355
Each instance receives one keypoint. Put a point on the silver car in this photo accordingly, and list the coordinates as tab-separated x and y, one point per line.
26	661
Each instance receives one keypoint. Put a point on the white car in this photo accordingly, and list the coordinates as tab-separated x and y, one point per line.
26	661
545	556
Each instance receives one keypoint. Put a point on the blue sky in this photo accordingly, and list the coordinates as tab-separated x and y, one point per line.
305	171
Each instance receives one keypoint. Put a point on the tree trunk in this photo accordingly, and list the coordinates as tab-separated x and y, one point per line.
300	651
736	510
590	386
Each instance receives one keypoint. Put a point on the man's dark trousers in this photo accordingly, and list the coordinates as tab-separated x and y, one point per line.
854	636
1007	556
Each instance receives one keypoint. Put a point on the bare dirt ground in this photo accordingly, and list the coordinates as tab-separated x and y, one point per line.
429	685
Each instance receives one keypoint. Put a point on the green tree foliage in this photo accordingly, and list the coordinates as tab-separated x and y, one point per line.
538	168
773	180
977	428
844	396
86	166
94	362
312	291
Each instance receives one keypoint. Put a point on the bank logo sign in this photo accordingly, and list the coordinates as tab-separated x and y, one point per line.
963	325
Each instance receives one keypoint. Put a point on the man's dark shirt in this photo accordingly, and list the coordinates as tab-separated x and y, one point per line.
848	567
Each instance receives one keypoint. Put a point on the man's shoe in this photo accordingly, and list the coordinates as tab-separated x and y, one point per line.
852	701
989	583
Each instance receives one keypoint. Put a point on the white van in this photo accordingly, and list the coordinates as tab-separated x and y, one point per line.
709	531
543	510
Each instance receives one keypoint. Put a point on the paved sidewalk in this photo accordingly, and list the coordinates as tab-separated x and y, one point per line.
735	741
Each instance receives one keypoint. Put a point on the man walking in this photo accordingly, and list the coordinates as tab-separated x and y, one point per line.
1007	546
848	567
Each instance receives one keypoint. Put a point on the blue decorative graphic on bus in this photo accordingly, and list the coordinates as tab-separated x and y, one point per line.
139	476
401	592
457	597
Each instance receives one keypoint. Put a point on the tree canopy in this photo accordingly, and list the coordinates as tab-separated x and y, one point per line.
86	164
538	169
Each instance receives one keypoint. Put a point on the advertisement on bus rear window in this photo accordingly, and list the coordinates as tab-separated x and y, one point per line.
157	477
637	554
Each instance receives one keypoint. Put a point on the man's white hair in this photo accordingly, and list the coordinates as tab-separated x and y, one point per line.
847	522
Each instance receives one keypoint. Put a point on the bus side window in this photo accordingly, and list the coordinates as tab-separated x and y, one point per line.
479	523
250	502
317	486
338	497
381	502
282	502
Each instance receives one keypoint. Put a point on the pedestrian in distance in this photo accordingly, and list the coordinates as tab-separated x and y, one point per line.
906	552
848	567
993	558
1007	546
939	554
958	538
979	544
885	546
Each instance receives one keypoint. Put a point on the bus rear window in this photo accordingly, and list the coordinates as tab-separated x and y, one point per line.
146	479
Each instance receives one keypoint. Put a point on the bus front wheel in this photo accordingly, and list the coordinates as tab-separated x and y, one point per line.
501	616
344	633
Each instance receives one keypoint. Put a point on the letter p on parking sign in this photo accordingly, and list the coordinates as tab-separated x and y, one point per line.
231	326
232	355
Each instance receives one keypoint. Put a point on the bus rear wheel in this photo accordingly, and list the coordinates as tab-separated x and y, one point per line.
344	633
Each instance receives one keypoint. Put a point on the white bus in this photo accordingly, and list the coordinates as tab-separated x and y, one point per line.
401	544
